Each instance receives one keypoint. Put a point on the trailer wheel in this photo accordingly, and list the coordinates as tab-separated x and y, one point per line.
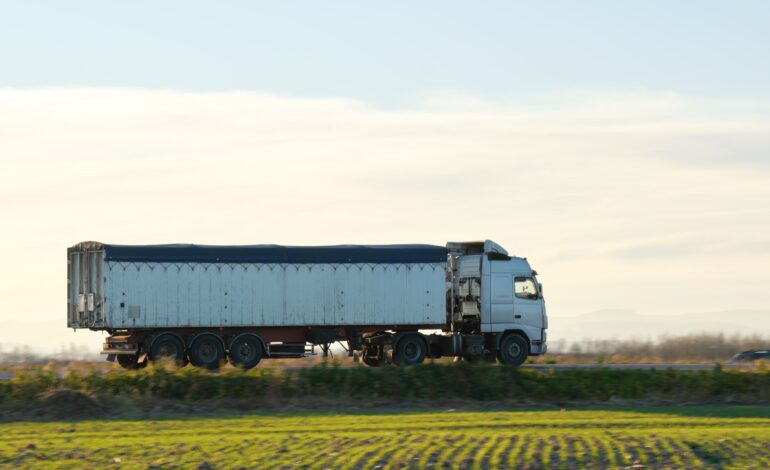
513	350
168	346
246	351
206	351
411	350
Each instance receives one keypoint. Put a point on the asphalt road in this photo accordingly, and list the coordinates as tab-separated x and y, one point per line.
634	366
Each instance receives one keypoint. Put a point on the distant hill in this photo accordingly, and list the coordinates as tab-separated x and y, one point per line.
626	324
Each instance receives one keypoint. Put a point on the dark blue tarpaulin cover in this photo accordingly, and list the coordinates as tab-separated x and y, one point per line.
277	254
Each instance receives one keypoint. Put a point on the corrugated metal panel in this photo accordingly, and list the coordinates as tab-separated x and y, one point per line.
85	286
227	294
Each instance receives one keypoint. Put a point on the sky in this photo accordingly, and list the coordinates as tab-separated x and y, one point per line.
623	148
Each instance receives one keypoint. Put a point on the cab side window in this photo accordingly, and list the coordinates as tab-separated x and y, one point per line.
525	288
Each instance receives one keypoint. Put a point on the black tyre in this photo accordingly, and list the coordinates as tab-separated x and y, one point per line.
371	361
206	351
411	350
129	362
168	347
513	350
246	351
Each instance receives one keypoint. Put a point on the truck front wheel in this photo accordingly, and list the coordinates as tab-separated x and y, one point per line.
513	350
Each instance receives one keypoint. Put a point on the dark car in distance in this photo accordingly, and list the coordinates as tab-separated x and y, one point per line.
748	356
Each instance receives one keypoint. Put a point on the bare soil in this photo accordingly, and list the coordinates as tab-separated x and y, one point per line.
67	404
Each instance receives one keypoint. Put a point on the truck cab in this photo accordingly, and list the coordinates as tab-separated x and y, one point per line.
497	295
512	300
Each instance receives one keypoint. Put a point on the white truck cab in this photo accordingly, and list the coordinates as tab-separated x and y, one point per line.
513	300
496	294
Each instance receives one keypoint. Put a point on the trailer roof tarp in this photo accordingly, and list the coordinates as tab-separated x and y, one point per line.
181	253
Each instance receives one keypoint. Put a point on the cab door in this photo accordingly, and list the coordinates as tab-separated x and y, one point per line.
501	299
527	301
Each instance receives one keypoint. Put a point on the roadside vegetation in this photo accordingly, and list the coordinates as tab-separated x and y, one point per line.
434	383
691	437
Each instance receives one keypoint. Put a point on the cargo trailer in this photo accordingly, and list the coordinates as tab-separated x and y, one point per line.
400	304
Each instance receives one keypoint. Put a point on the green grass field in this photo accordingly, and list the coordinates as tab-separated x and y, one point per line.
681	437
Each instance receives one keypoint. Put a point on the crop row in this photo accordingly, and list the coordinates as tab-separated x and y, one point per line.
553	439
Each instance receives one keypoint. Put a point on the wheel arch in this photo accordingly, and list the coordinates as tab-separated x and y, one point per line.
195	336
399	335
232	339
150	340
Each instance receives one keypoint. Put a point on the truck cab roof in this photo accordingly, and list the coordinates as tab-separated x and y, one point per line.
473	247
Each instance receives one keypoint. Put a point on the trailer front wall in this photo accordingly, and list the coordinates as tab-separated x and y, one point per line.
153	295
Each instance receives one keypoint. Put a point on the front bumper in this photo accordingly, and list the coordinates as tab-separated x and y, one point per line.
538	348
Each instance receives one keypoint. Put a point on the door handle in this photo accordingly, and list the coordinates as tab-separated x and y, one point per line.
517	316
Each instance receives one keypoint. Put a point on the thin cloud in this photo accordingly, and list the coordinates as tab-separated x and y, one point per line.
608	194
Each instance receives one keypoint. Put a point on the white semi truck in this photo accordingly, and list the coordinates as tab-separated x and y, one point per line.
389	303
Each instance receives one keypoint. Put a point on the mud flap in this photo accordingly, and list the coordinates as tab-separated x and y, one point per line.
111	357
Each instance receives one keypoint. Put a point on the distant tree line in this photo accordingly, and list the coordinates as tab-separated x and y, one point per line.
690	347
25	355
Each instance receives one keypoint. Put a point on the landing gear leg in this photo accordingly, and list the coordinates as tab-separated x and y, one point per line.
373	356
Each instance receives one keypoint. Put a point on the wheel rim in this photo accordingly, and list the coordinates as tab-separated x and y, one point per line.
411	351
246	351
207	352
514	350
167	349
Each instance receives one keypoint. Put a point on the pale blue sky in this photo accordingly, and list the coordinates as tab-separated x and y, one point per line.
389	54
